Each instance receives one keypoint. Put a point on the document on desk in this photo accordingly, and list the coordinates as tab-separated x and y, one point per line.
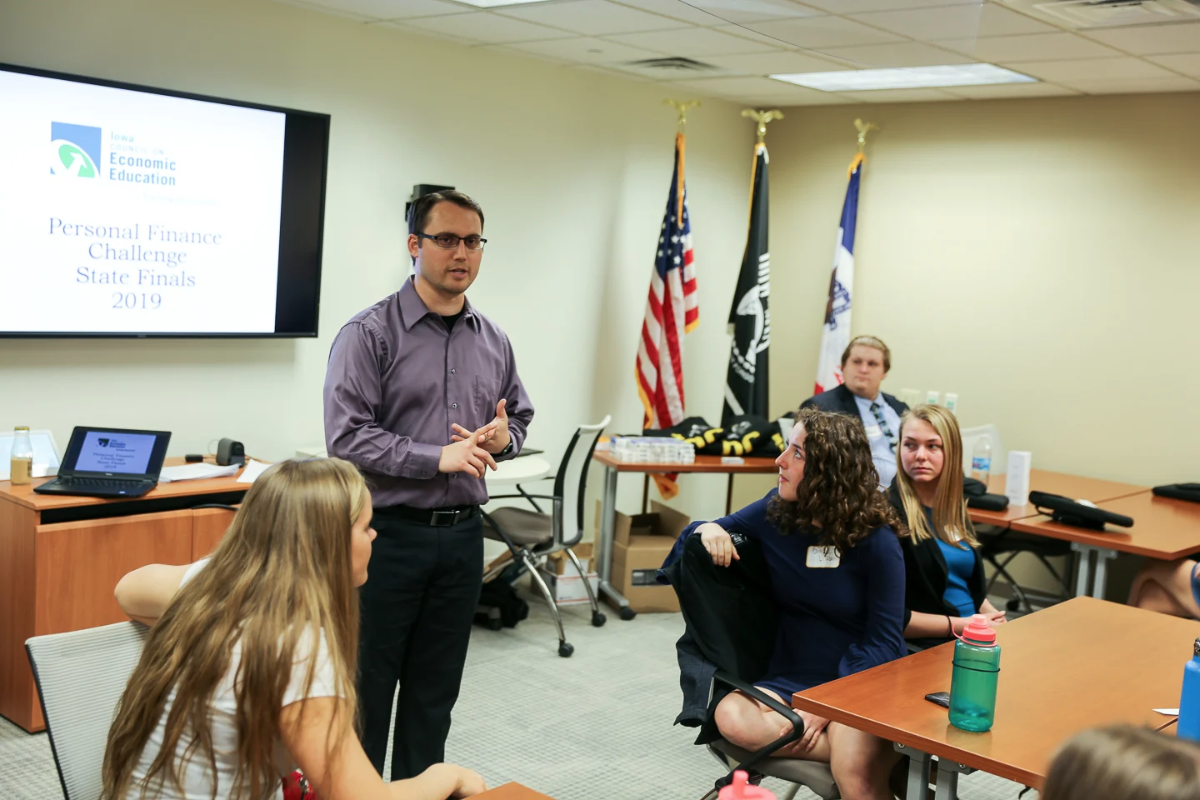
253	470
195	472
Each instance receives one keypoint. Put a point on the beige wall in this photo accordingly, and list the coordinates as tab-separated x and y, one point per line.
572	169
1041	258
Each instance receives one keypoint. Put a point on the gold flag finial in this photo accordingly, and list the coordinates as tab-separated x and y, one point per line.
762	118
862	132
681	106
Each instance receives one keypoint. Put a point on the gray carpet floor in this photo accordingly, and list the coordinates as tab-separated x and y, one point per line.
596	726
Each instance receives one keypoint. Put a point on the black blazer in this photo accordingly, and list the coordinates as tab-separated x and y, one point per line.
926	574
840	400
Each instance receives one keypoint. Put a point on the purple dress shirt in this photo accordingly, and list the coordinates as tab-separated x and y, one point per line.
397	379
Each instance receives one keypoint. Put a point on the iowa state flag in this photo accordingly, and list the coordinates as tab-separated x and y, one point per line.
841	282
750	317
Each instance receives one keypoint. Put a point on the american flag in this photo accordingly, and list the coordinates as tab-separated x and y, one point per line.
672	310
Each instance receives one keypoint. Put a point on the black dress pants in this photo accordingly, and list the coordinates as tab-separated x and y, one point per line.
418	604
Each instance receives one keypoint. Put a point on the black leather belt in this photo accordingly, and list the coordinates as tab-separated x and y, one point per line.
434	517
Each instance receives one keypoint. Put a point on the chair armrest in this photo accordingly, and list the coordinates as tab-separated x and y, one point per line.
522	496
770	702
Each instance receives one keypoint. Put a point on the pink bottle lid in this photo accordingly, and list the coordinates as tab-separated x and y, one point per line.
978	632
741	790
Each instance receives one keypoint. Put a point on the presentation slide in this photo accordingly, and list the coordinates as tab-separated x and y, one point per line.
130	211
127	453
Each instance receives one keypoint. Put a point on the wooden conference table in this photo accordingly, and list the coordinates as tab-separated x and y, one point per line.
512	791
1163	528
61	558
1075	665
608	504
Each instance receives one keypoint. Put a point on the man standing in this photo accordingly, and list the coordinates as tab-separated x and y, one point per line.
422	393
866	361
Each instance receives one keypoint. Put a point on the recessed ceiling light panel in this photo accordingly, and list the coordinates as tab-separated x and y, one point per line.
860	80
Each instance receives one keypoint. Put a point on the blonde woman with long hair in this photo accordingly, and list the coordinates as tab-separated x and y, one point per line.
249	667
944	582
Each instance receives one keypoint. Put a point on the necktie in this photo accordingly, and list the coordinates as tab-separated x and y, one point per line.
883	426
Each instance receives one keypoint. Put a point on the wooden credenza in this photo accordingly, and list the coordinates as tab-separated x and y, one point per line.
61	558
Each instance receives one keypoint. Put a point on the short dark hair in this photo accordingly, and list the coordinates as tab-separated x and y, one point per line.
418	213
867	341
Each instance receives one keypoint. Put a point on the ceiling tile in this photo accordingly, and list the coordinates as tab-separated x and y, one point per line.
582	50
325	10
895	54
1031	47
739	87
1001	90
1093	69
754	36
864	6
691	43
954	22
739	11
777	63
1188	64
1174	83
1152	39
818	32
482	26
591	17
675	9
900	96
388	9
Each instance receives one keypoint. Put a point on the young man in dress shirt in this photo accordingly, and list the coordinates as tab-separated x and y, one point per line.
866	361
422	393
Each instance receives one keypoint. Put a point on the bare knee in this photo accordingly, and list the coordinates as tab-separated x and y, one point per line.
741	722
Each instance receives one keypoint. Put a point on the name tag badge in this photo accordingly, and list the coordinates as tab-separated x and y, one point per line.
873	431
823	558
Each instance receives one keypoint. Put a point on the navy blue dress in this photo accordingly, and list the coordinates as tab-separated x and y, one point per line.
835	621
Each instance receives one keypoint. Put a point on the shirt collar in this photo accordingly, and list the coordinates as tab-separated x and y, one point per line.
864	404
413	308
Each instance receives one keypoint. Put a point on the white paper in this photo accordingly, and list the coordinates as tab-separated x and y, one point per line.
1170	712
195	472
1016	486
253	470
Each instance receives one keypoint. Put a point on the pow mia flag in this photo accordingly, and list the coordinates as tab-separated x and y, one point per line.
750	319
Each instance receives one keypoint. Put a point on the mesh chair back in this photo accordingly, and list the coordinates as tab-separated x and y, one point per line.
972	435
570	484
80	677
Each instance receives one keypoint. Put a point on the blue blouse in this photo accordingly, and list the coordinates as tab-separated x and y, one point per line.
833	621
960	562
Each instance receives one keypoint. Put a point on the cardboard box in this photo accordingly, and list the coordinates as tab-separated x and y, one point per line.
567	589
559	564
640	543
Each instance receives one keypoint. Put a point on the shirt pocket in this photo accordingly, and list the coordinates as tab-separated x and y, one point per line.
486	395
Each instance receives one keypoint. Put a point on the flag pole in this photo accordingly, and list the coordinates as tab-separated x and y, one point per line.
681	106
762	118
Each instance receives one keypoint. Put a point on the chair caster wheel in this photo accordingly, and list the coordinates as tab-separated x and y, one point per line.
627	613
598	619
565	649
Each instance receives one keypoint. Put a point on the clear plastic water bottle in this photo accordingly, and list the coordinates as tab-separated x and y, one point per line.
1189	701
740	789
21	463
981	459
975	676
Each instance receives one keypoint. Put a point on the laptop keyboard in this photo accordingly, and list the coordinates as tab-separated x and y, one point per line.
107	484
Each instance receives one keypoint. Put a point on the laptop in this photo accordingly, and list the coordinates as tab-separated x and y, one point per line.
110	462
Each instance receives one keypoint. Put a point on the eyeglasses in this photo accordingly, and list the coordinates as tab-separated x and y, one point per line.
448	241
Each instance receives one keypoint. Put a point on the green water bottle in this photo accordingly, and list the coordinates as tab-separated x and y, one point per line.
973	681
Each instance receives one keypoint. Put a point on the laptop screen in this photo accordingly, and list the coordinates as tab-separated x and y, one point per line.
115	451
126	453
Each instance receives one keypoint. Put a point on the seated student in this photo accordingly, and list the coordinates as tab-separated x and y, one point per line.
1168	587
837	577
249	666
866	361
1125	763
944	583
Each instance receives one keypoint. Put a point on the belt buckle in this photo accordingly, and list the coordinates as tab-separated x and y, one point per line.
450	517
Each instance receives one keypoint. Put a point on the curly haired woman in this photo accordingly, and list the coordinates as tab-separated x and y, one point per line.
837	577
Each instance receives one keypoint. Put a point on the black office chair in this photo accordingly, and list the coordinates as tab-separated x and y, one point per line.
531	535
997	543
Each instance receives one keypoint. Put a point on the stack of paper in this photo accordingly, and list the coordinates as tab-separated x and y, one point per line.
195	472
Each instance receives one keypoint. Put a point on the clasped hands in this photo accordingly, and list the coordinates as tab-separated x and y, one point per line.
471	451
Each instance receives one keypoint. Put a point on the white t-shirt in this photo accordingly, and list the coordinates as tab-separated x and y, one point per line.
197	777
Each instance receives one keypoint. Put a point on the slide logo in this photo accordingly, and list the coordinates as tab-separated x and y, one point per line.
75	150
103	442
